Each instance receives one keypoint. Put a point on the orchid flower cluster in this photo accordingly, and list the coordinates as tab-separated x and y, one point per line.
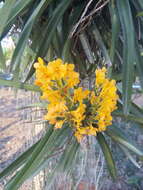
86	111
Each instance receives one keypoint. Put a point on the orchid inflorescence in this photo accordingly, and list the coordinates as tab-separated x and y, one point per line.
86	111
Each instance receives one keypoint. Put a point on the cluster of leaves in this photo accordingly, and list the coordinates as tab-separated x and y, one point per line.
88	34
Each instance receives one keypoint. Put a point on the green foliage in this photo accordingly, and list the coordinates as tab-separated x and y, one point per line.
2	59
90	36
108	155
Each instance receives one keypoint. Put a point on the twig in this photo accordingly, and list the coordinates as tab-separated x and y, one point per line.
79	22
82	19
95	10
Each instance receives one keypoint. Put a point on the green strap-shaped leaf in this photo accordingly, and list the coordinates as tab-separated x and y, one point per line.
19	85
38	156
139	58
25	35
19	161
66	53
128	117
19	178
15	11
69	155
115	30
50	31
65	163
139	61
118	138
129	156
56	42
108	155
5	13
17	8
129	53
51	28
